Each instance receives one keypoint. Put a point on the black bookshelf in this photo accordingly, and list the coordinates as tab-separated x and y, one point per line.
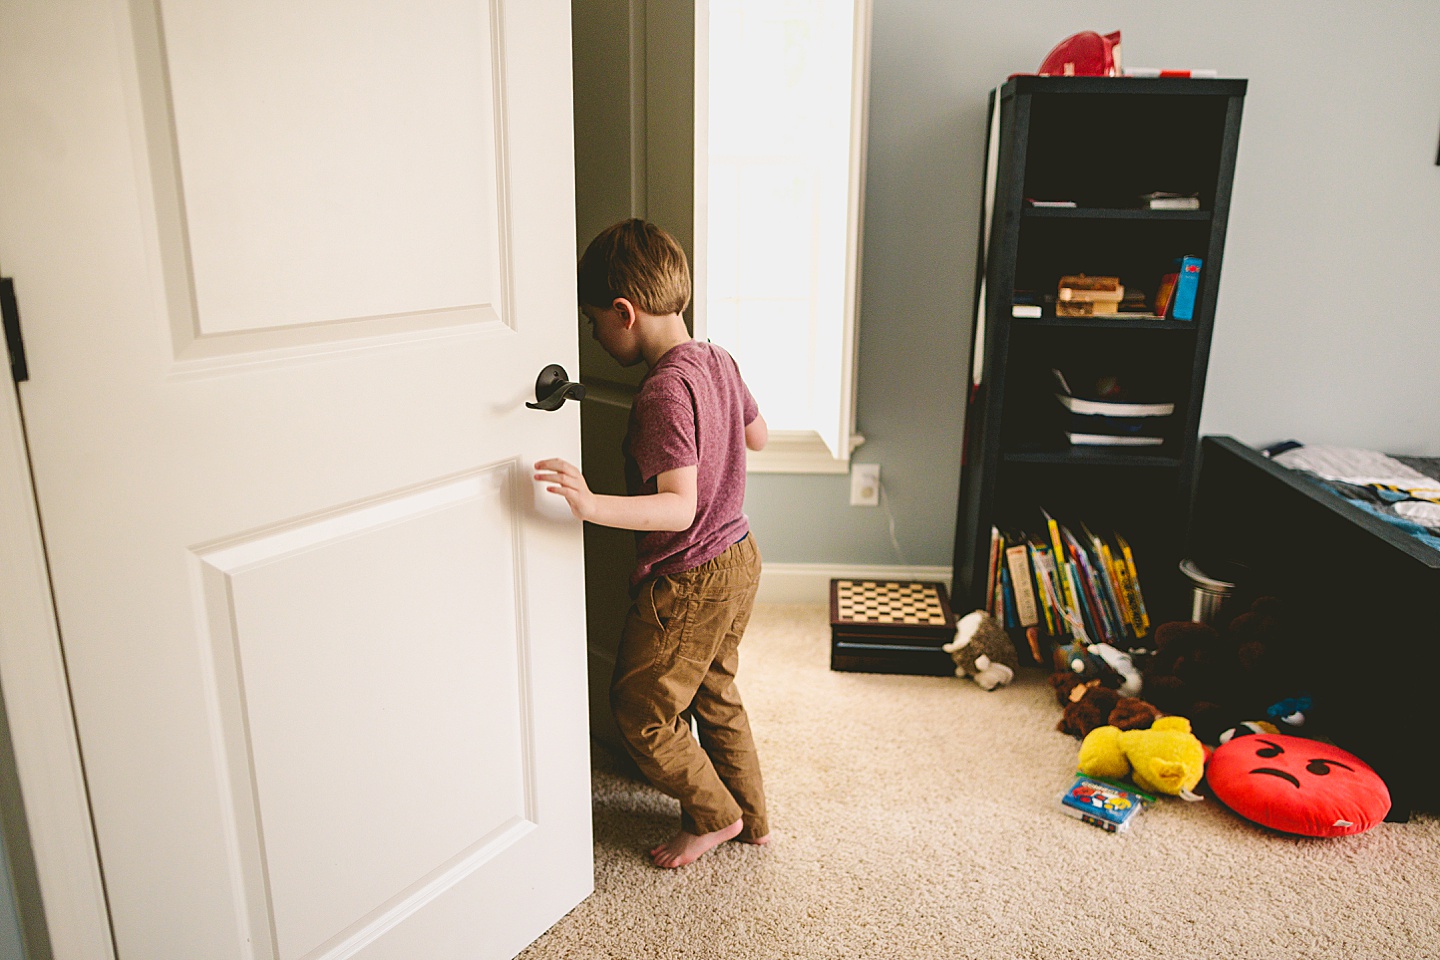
1100	143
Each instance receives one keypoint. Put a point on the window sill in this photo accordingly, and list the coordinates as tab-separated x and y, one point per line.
799	451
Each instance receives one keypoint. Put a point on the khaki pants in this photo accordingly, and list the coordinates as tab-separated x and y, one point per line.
677	659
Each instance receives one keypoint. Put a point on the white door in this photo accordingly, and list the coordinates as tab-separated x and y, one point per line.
287	271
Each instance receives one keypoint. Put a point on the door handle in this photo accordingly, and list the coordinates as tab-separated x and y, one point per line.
553	387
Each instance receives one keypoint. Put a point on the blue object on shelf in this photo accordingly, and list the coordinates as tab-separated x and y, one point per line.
1186	287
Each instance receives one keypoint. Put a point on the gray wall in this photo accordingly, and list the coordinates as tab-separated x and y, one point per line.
1327	328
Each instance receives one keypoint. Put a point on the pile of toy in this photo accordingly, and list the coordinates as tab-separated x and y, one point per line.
1207	703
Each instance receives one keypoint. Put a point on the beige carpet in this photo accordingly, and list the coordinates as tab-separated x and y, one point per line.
916	817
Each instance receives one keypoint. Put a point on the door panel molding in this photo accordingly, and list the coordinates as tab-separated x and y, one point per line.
457	684
229	277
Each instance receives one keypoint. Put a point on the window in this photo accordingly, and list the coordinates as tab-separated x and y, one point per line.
784	170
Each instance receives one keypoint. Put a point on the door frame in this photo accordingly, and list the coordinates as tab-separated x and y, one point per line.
42	724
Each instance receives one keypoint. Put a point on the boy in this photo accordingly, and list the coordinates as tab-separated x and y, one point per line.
697	567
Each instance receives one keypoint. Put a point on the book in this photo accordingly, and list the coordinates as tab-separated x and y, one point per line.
1011	617
1084	622
1165	294
1103	440
1064	618
1160	200
1102	804
993	570
1035	549
1135	301
1081	281
1105	583
1087	308
1017	557
1136	596
1095	296
1107	398
1101	425
1057	545
1187	286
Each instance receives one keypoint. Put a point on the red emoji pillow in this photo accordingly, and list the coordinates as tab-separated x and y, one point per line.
1297	785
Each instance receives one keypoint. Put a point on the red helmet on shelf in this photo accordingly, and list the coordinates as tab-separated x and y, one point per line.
1086	54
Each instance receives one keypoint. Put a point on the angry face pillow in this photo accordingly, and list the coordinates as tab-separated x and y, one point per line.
1297	785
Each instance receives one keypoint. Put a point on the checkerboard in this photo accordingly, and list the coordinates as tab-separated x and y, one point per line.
890	626
871	601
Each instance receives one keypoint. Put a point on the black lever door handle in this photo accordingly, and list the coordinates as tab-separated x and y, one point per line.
553	388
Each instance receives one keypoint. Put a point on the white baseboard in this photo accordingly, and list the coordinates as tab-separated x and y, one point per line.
810	582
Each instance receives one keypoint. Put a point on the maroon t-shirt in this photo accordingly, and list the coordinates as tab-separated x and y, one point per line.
692	410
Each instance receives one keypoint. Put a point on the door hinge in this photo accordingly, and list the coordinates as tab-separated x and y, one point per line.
13	341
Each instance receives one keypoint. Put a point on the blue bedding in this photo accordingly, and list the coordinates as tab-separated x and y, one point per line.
1402	491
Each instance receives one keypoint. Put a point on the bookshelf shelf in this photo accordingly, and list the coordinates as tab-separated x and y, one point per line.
1138	322
1017	460
1111	213
1072	456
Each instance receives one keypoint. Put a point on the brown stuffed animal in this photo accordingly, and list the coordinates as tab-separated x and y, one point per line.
1090	704
1218	678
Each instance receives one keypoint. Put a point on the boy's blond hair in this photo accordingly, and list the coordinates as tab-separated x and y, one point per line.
639	261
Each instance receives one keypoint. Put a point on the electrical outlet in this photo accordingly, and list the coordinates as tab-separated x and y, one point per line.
865	485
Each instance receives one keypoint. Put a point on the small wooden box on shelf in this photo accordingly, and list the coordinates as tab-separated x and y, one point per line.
1060	207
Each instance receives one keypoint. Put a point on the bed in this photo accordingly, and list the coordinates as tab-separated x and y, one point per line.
1364	588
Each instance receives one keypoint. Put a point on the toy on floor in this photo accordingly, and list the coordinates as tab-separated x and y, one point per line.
1166	758
1248	729
1124	667
1100	661
982	651
1089	704
1296	785
1218	678
1290	712
1101	804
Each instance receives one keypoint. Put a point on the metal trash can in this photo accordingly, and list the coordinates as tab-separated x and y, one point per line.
1209	593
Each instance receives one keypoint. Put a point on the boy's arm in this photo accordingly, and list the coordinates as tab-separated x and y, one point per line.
757	434
672	508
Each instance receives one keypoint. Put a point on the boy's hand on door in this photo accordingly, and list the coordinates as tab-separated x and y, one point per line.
564	479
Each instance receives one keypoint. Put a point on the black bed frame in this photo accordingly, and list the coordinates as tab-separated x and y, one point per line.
1367	595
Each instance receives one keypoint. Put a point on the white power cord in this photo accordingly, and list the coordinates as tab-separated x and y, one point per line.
890	517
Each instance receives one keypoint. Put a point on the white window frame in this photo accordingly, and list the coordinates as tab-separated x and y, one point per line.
796	451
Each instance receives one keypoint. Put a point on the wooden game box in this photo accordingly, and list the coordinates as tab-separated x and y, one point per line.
890	626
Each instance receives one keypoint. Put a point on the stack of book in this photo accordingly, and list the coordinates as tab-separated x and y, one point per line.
1163	200
1071	588
1102	413
1082	296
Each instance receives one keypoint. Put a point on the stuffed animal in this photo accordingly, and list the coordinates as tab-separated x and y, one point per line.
1166	758
1100	661
1249	729
1124	713
982	650
1220	677
1124	667
1091	709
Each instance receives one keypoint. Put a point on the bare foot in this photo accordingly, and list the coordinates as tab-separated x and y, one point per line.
686	848
758	841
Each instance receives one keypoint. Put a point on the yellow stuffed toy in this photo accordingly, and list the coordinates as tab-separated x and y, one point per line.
1166	758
